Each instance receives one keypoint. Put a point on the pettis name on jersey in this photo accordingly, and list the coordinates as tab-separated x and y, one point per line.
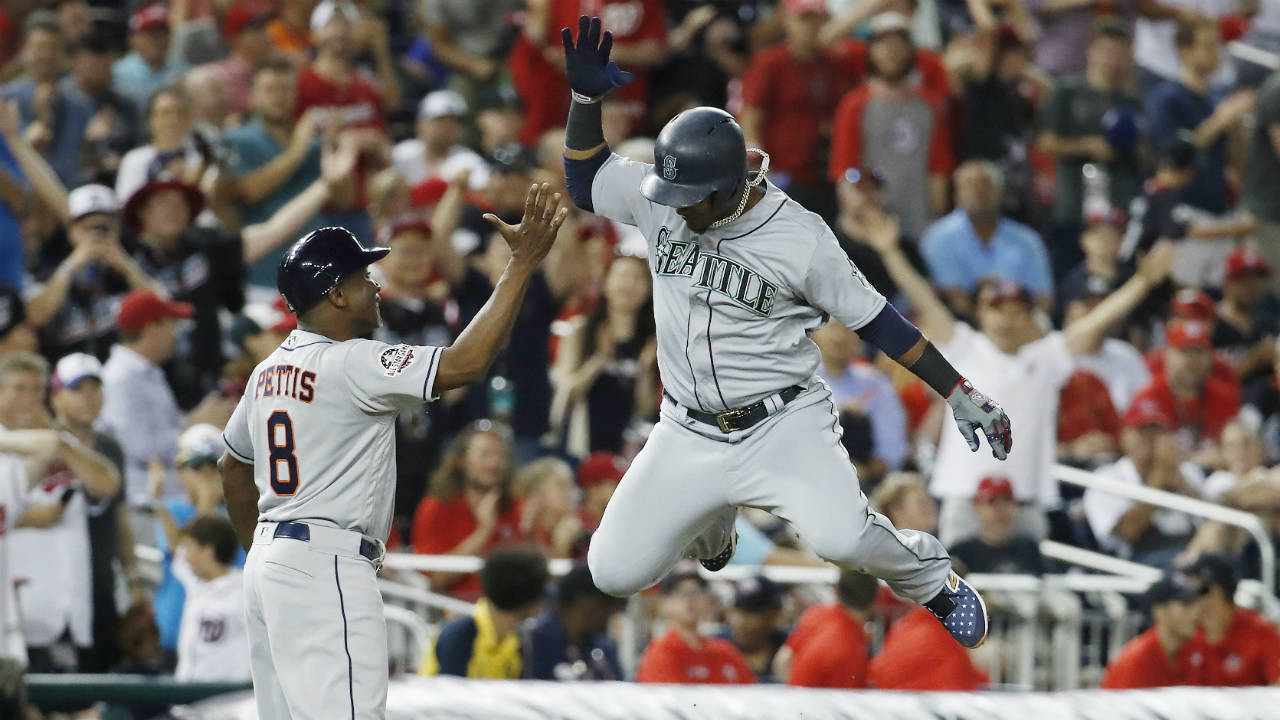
285	381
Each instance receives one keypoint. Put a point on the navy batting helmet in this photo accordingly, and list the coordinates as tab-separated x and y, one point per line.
700	154
318	262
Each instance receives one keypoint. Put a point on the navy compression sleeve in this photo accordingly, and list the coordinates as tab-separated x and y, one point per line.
578	175
890	332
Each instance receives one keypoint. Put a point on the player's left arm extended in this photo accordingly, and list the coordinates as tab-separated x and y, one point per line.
591	76
241	496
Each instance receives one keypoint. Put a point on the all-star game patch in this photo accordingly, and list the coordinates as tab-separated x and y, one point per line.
396	359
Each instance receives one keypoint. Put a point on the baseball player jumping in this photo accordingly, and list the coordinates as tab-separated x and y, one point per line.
741	276
310	467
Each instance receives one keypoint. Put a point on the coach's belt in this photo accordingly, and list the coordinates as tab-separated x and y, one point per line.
302	531
744	417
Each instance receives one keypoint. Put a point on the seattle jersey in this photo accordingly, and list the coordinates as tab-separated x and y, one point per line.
317	421
734	306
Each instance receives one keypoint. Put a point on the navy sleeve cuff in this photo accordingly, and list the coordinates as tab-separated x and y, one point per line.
890	332
578	175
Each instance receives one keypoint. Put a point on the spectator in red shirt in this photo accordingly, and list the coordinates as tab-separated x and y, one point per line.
918	654
829	646
789	94
469	509
1154	658
1194	304
681	654
1234	646
890	125
598	477
1201	404
1088	425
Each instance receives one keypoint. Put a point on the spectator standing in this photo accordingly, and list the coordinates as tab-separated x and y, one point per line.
244	29
1155	44
682	654
213	641
54	118
862	210
1262	171
789	93
1186	104
1073	135
889	124
1009	353
487	644
607	366
998	548
829	647
116	125
1234	646
153	62
708	48
570	640
871	415
975	241
139	409
1154	658
1135	530
469	508
1248	316
998	115
755	624
467	37
437	150
169	153
1101	270
49	552
290	30
76	399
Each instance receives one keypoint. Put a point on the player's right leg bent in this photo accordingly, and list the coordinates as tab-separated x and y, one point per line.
672	495
317	633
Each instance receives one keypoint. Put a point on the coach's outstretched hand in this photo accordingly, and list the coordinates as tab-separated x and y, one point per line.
587	66
975	411
531	240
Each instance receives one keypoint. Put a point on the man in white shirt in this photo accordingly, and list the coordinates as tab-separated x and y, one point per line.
1009	356
213	642
1152	457
437	152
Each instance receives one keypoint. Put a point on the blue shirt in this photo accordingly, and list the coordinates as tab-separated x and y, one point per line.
170	596
957	259
253	147
134	78
1171	107
72	111
548	649
11	264
869	389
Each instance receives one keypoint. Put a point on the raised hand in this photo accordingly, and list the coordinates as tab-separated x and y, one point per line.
531	240
586	64
973	412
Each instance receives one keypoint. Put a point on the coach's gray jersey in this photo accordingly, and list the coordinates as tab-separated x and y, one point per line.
735	305
317	421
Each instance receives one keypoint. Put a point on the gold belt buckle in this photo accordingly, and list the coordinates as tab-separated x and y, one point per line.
723	419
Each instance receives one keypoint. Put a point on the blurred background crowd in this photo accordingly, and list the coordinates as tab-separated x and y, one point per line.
999	169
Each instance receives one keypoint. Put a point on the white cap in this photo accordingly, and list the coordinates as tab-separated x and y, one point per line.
75	367
441	103
887	22
203	441
89	199
325	11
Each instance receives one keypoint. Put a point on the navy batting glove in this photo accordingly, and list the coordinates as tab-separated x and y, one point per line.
975	411
587	66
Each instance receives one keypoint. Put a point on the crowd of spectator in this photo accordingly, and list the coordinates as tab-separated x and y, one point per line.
1075	200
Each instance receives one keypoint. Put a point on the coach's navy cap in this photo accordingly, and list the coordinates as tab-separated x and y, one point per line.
757	594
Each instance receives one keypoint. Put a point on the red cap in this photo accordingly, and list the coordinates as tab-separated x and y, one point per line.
1009	290
428	192
133	206
993	487
601	467
1146	411
1112	216
409	222
1184	333
243	15
143	307
1246	261
799	7
1194	304
150	17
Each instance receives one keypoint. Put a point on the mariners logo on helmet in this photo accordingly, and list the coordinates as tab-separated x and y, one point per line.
669	167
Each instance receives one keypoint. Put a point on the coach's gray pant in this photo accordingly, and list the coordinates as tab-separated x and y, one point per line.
684	488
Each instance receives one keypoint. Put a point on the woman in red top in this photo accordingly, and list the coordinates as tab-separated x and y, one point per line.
469	509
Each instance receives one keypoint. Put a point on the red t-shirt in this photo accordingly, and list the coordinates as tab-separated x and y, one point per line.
669	659
929	73
796	100
1142	663
919	654
358	102
1204	416
846	135
439	526
1220	368
1249	654
829	649
1084	406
